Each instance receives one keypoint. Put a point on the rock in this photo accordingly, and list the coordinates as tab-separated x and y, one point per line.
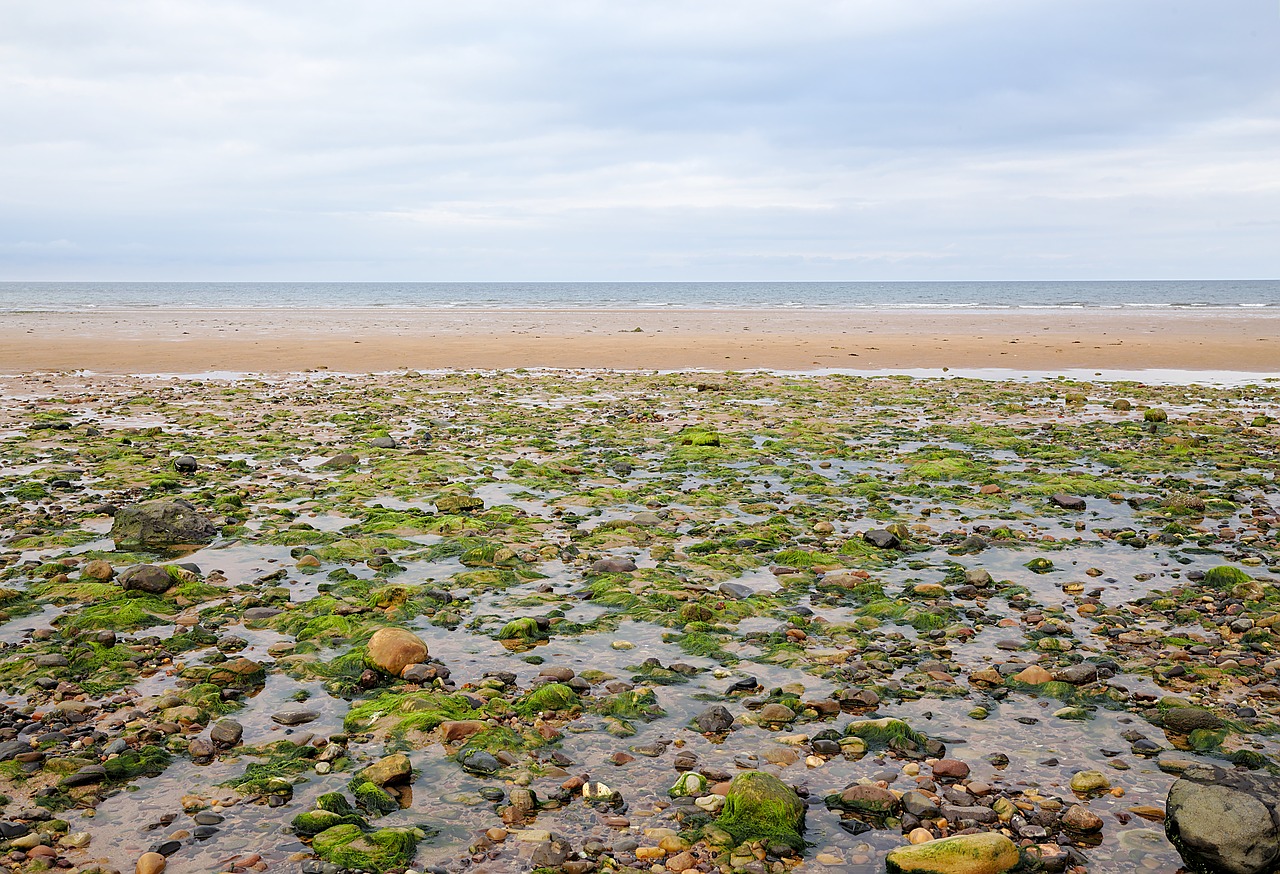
775	714
391	650
383	443
735	591
86	776
865	798
1079	818
760	807
457	504
389	770
161	523
201	749
226	732
149	578
1077	675
294	716
989	853
1225	821
1089	782
950	769
714	720
1033	675
882	539
613	566
341	461
11	748
479	762
459	730
1067	502
99	569
150	863
185	464
1184	720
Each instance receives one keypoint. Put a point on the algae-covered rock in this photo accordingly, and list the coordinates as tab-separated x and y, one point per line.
1225	577
391	650
552	696
524	629
456	504
392	769
153	524
149	578
383	850
760	807
989	853
894	734
689	784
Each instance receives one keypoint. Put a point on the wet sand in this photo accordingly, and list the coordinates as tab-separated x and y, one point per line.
365	340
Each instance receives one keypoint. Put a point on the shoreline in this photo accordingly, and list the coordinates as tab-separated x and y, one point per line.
779	339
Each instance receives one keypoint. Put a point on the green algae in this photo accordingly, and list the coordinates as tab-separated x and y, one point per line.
760	807
524	629
285	761
1225	577
550	697
410	711
383	850
148	761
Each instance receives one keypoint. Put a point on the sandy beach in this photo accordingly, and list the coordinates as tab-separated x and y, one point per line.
365	340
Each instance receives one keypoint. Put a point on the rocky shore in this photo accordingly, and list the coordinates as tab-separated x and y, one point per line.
583	621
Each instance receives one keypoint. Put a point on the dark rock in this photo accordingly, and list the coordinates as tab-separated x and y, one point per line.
226	732
1077	675
160	523
613	566
295	716
185	464
383	443
1067	502
1184	720
11	748
1225	821
882	539
714	720
479	762
736	591
86	776
149	578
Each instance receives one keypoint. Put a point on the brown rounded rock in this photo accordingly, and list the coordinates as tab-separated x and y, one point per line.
391	650
150	863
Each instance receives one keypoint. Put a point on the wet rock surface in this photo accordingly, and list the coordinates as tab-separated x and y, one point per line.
594	621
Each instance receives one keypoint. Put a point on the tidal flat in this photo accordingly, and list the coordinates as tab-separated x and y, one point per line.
925	606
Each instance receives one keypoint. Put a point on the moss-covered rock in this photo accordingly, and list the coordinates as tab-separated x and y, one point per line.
760	807
989	853
380	851
551	697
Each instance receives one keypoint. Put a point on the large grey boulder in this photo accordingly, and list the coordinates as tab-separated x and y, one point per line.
167	522
1225	822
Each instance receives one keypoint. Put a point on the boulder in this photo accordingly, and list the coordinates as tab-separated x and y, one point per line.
714	720
226	732
391	650
735	591
1184	720
613	566
158	524
389	770
1067	502
989	853
882	539
147	578
1225	821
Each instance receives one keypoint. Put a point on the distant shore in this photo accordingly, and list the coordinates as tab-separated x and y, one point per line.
366	340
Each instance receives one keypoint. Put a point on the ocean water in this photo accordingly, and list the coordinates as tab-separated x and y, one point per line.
1189	294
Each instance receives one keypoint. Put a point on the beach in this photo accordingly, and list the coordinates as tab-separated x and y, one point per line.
377	339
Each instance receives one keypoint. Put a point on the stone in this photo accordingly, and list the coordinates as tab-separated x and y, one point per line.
1077	675
226	732
882	539
391	650
1079	818
865	798
150	863
613	566
760	807
389	770
716	719
1033	675
735	591
341	461
1225	821
161	523
459	730
383	443
149	578
950	769
989	853
775	714
186	464
295	716
1089	782
1184	720
99	569
1067	502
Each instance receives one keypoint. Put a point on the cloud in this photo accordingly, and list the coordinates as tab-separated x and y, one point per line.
599	140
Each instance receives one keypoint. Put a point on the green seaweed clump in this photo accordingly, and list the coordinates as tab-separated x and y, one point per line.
760	807
286	759
380	851
552	696
312	822
372	797
887	732
421	711
150	761
524	629
1225	577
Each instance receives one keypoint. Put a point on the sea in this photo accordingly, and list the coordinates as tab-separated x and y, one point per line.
17	296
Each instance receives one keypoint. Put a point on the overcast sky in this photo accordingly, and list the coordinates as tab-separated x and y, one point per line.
638	139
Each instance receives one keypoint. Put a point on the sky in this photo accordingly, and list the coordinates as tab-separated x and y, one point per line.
645	140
